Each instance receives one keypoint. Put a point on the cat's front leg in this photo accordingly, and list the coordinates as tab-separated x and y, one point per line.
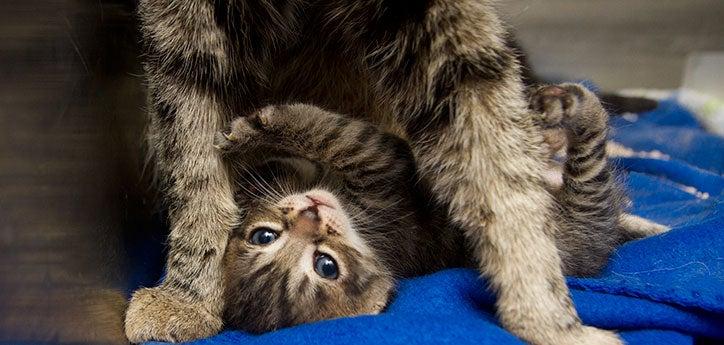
449	78
187	55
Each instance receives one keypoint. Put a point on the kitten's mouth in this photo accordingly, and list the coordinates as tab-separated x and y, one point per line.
311	213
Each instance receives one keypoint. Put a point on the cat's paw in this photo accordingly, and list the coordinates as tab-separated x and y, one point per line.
156	314
565	112
567	105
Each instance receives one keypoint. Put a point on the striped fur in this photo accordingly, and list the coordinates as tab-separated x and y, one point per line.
437	72
302	149
374	177
591	202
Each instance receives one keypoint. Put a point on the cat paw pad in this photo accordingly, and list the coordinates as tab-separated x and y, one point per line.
568	108
554	103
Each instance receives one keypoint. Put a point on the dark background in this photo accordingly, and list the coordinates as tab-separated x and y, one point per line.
74	194
79	222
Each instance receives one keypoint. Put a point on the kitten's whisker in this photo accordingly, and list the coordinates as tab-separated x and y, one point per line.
385	224
377	213
264	192
259	181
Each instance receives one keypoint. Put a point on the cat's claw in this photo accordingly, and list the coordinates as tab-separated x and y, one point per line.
264	116
222	141
241	131
246	131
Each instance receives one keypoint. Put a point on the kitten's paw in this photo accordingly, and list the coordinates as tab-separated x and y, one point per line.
155	314
242	131
567	104
566	111
551	104
246	130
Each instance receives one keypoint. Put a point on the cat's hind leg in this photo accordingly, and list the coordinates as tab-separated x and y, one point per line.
591	198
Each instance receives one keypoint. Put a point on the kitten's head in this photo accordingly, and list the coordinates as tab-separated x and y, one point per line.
297	256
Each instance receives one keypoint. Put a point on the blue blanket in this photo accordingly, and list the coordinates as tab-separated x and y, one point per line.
667	289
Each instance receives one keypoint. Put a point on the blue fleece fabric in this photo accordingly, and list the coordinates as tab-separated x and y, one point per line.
668	289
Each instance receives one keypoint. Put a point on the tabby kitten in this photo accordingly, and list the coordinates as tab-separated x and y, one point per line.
324	234
438	72
333	214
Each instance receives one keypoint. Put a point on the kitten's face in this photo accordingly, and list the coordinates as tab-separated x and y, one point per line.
297	258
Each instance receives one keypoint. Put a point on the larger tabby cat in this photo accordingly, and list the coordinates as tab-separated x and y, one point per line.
334	211
438	72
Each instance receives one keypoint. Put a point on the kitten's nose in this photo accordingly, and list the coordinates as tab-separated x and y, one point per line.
307	223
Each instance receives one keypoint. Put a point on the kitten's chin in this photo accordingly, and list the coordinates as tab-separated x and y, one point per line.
324	198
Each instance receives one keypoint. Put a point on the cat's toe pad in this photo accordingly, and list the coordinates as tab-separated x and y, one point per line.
568	105
553	103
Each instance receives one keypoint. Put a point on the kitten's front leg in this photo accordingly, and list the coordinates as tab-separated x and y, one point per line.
358	149
294	128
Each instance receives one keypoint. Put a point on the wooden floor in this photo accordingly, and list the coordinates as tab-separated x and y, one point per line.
72	197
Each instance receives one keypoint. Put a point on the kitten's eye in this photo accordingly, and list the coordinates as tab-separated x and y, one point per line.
325	266
263	236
